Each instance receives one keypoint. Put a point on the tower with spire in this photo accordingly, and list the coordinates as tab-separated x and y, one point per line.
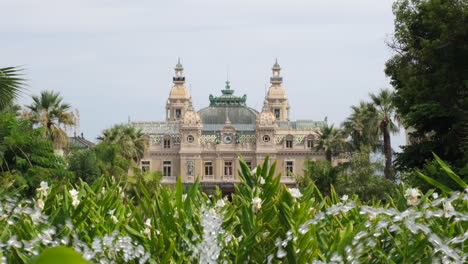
276	99
179	97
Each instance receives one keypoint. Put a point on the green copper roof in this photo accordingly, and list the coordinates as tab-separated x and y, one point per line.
227	98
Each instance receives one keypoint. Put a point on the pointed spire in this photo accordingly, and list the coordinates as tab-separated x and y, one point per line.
179	65
179	78
276	79
276	66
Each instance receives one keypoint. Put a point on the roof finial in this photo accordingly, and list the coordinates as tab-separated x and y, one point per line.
276	65
178	65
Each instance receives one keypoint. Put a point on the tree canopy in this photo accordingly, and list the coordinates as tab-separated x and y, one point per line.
430	75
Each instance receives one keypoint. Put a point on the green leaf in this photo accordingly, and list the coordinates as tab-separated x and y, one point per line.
60	255
450	172
435	183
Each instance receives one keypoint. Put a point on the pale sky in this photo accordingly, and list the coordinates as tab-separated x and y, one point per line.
114	59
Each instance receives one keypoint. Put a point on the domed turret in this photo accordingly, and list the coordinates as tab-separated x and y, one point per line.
179	97
266	118
276	97
191	119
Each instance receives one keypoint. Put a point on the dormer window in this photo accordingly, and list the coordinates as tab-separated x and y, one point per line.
178	113
277	113
167	143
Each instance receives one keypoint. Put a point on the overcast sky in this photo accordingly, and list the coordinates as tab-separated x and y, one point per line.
114	59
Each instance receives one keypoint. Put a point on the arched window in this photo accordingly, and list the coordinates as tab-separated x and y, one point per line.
167	142
310	141
289	141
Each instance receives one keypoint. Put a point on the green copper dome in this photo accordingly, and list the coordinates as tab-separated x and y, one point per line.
227	98
228	107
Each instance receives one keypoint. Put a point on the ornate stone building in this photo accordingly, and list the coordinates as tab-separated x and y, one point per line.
206	143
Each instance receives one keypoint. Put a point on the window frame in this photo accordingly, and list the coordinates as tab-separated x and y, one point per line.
231	166
168	141
277	113
178	113
289	173
167	167
206	166
145	165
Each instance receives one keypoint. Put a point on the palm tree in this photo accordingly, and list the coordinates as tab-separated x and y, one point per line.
331	140
48	111
385	115
131	141
11	86
362	127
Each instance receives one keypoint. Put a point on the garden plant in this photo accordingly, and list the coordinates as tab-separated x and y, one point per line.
263	222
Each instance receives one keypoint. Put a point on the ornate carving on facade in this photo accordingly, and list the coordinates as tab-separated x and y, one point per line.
155	139
206	143
279	139
190	169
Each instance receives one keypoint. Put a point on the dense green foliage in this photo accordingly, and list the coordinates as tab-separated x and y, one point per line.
26	157
430	75
331	141
85	164
370	126
131	141
358	176
264	222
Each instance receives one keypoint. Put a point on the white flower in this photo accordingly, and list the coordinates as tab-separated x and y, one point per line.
111	212
262	181
114	219
412	195
184	196
448	209
73	193
103	190
75	202
39	204
295	193
43	189
344	198
147	232
148	222
256	204
220	203
435	195
254	171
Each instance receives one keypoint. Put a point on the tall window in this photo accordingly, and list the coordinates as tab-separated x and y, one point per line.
289	168
178	113
145	165
310	143
228	168
289	143
249	164
167	143
167	168
277	113
208	169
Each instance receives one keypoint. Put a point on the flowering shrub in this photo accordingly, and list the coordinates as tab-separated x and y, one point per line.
264	223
